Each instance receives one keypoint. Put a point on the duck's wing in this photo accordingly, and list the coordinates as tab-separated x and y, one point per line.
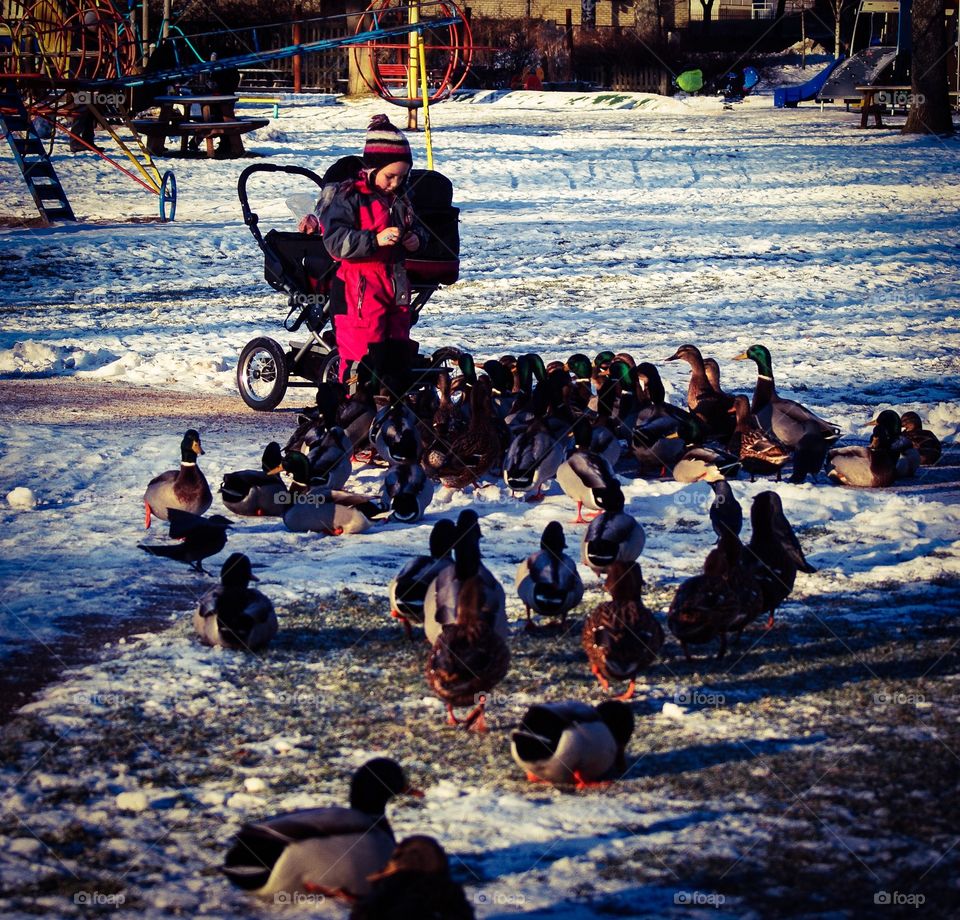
259	845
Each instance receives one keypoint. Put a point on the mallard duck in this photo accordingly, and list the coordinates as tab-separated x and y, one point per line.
926	442
726	515
547	581
572	742
585	476
656	423
331	851
613	535
705	605
711	368
743	582
530	373
232	614
502	383
704	464
440	602
775	555
621	636
329	511
329	459
257	492
313	423
759	454
786	420
200	537
471	454
185	489
709	405
872	466
809	456
604	439
908	457
415	883
580	393
407	492
532	460
395	433
469	657
408	589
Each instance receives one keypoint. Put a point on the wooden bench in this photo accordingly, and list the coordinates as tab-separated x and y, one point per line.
198	118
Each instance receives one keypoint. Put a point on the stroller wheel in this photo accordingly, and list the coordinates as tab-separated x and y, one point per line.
331	368
262	374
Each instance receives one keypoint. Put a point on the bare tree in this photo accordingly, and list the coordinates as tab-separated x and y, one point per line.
838	8
930	109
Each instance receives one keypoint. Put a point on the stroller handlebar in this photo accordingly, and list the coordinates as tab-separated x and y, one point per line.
250	218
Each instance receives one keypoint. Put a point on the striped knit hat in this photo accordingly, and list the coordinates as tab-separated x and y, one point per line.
385	144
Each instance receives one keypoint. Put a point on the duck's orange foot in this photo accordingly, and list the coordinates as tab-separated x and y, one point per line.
477	723
533	778
628	694
451	718
336	894
586	783
538	497
770	621
604	683
146	516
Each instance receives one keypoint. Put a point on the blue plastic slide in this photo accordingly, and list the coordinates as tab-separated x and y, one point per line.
787	97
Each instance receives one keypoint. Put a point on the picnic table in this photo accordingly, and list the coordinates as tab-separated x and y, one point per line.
887	100
882	100
198	118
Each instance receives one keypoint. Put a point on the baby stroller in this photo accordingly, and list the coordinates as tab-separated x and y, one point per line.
299	266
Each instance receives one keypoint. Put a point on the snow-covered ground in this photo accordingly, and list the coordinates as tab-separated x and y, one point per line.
588	222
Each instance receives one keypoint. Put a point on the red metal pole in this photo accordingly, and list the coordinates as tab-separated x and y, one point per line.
297	73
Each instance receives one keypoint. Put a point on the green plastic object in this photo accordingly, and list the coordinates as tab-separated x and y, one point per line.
690	81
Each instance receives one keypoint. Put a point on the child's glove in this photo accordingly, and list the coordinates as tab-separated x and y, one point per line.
309	224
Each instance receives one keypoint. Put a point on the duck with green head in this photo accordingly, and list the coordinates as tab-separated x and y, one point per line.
255	492
788	421
232	614
185	489
584	475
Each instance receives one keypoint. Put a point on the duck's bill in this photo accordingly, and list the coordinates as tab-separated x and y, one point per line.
743	356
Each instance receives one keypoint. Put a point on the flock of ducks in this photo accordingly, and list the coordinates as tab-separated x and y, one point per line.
530	424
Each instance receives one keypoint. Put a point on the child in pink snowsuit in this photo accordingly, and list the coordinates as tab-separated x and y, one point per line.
368	226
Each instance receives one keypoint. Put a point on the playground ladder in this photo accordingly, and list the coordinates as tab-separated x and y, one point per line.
31	157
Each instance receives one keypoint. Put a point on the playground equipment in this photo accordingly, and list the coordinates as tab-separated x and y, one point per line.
439	54
788	97
881	32
61	60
